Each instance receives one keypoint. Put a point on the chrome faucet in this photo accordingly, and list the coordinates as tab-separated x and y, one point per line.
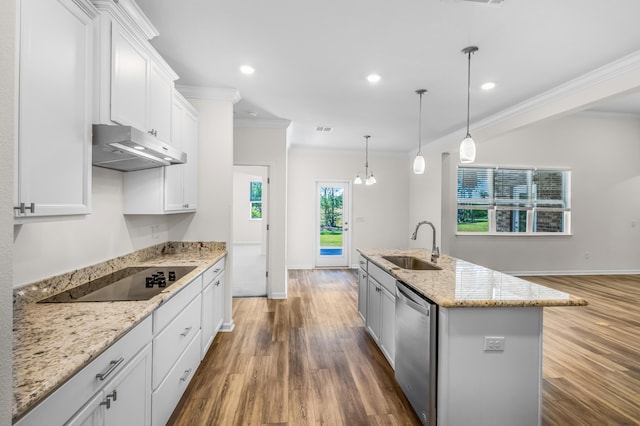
435	251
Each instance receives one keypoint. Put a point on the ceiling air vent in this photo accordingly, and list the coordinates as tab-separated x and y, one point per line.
323	129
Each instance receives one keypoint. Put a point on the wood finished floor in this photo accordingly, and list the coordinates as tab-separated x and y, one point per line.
308	360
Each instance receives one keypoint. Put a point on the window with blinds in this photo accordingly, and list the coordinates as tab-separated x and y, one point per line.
513	200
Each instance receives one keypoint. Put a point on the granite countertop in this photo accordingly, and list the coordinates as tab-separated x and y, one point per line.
464	284
53	341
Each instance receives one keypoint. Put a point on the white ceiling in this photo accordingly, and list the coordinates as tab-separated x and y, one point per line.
312	58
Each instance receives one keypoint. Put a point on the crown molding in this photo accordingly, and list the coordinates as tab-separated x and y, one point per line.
129	14
616	78
269	123
210	93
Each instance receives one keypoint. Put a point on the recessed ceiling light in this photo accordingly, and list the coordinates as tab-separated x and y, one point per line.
488	86
373	78
247	69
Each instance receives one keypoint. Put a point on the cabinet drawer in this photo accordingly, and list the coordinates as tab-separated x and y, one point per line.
362	262
166	397
171	342
210	274
386	280
172	307
73	394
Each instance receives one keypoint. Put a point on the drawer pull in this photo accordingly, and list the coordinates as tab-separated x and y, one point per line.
186	331
215	271
112	366
186	374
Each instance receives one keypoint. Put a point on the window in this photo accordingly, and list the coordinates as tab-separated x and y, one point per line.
255	200
520	201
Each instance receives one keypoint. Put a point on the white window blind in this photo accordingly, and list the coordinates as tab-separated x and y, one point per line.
513	200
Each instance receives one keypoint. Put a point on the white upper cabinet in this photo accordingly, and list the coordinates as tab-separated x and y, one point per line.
135	84
169	189
53	147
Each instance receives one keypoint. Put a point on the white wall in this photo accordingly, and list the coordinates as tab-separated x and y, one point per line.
379	212
268	147
602	151
245	229
7	126
44	249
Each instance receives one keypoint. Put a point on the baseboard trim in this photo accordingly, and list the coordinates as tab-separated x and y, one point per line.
278	295
581	272
294	267
227	327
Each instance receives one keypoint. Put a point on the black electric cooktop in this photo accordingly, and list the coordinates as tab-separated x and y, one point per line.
135	283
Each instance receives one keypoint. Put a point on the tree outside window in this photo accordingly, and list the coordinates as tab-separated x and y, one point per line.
255	200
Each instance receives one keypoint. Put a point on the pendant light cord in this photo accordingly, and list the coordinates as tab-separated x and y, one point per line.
420	126
468	91
366	157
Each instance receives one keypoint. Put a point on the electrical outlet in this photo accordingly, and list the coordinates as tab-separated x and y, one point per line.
493	343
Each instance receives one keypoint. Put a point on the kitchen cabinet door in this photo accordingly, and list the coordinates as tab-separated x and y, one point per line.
218	303
130	393
129	79
207	319
160	103
53	147
388	325
373	308
362	294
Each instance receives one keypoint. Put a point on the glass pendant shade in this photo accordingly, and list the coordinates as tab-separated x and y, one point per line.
370	180
467	150
357	180
418	164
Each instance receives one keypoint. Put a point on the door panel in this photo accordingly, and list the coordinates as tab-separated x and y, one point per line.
332	224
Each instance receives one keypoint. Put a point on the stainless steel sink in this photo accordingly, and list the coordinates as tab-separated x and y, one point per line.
413	263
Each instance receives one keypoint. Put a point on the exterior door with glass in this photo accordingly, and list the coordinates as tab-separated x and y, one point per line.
332	247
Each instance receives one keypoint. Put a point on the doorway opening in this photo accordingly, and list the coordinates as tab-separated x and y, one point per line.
250	231
332	237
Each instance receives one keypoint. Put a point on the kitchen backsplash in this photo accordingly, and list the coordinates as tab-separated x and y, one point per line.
30	293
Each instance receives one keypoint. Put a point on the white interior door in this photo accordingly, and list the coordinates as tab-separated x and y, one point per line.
250	231
332	236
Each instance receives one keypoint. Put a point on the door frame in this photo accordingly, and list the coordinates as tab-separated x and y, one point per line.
346	219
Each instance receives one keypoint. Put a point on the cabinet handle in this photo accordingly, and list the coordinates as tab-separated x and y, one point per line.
215	271
185	332
107	402
113	395
22	208
185	376
112	366
153	132
217	283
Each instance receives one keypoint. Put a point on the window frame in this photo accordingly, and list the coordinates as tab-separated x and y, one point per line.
492	203
254	200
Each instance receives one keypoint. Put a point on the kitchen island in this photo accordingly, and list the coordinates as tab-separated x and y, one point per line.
489	337
54	341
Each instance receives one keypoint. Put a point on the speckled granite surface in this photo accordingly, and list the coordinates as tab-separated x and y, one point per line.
464	284
51	342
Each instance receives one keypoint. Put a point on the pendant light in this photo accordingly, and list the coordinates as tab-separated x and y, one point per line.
468	146
369	179
418	162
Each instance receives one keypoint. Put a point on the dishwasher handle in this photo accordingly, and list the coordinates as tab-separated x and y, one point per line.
408	298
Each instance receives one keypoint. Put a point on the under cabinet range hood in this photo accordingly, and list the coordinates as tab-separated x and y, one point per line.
127	149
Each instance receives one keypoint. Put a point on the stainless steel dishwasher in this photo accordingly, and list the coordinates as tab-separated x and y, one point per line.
416	351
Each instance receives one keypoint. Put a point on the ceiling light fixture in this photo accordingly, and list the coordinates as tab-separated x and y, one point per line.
247	69
369	179
488	85
373	78
418	162
468	146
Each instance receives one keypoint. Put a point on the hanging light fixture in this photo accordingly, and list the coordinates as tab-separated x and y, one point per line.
418	162
468	146
369	179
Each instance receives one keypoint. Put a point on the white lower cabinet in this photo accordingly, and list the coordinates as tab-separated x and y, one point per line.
362	288
125	400
212	304
166	396
380	312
